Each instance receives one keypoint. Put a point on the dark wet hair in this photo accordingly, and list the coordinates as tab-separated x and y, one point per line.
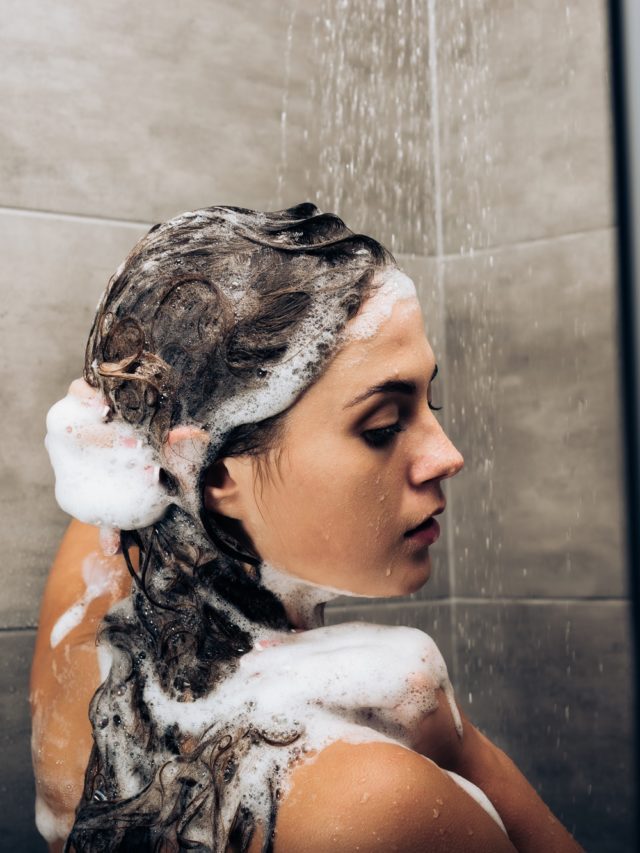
203	308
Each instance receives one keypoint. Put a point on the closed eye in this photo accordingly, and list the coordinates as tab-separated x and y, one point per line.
382	436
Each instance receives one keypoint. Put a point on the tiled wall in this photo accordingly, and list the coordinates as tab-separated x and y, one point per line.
115	115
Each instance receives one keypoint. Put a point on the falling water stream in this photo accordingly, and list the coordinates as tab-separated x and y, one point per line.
402	134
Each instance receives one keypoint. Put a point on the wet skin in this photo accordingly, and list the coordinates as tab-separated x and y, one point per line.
355	469
330	505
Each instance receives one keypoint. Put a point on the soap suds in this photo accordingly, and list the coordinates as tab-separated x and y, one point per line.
479	796
352	682
378	308
105	473
50	825
98	580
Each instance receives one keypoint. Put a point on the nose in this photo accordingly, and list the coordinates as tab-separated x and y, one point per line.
437	458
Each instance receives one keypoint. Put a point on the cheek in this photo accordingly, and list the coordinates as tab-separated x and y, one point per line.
350	505
317	502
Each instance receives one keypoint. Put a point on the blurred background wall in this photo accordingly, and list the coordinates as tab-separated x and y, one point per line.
473	138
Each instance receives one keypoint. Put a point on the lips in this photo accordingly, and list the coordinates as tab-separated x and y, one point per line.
427	531
425	521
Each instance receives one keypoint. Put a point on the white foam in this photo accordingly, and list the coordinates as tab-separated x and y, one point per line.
395	286
53	827
98	580
301	598
105	661
105	473
352	682
286	380
479	796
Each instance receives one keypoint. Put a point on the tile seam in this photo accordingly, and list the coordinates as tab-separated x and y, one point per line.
565	236
88	219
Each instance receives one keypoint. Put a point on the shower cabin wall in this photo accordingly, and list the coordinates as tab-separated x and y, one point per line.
518	276
473	138
539	595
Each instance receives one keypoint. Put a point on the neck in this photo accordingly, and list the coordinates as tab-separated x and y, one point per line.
302	600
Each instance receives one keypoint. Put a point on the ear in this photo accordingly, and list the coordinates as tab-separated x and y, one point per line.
223	492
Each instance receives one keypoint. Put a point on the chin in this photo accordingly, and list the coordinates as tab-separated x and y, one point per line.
415	577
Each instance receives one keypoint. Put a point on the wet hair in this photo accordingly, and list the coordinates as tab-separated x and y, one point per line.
207	309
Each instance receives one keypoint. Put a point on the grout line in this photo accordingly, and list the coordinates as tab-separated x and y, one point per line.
525	244
73	217
504	247
94	219
469	600
19	628
361	604
504	599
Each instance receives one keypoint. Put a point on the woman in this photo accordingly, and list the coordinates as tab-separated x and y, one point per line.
256	421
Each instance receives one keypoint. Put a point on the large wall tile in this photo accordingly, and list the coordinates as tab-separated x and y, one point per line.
117	110
17	815
53	273
550	683
524	117
535	411
109	110
366	140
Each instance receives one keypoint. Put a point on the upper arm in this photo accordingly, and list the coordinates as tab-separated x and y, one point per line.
377	797
64	676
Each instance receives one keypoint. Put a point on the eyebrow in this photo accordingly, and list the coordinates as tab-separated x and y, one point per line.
391	386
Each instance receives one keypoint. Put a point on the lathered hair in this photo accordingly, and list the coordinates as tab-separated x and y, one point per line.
203	308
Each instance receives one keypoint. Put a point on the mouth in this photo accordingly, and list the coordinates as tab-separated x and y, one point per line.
427	531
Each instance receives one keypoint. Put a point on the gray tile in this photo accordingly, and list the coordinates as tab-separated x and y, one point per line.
17	816
524	117
368	122
550	683
432	617
534	409
111	110
53	273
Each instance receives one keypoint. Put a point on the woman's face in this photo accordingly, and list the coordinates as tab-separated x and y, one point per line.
359	467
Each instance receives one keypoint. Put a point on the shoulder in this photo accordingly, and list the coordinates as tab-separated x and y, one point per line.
377	797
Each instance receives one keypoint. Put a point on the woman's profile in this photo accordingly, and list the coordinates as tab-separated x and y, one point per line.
254	435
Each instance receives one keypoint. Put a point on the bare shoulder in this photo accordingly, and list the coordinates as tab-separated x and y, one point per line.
377	797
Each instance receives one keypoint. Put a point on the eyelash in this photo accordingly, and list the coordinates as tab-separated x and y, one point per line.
383	436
